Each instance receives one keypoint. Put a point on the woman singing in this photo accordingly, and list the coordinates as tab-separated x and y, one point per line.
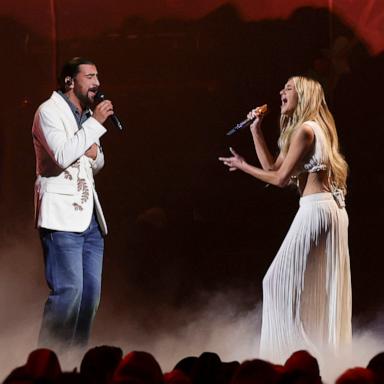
307	289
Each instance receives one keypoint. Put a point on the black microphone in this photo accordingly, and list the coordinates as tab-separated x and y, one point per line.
115	120
261	111
244	124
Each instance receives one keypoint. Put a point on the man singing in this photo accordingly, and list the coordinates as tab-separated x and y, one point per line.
68	214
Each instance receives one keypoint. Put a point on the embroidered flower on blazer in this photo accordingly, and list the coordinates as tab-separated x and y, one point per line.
81	185
67	175
77	207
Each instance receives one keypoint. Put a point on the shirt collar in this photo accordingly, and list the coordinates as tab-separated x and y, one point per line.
74	109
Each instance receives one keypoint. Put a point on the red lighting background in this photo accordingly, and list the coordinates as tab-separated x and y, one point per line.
181	73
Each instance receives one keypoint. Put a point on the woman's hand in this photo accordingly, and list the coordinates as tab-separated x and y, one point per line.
257	114
234	162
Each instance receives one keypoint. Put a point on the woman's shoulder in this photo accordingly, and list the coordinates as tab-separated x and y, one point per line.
311	123
305	132
314	127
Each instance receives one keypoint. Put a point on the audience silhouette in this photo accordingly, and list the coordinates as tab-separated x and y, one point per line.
106	365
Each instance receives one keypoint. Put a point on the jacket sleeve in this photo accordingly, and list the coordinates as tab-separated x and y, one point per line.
98	163
49	129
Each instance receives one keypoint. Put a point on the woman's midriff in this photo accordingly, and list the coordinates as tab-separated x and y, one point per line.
315	182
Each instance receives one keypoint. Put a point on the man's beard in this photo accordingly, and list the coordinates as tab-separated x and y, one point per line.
84	99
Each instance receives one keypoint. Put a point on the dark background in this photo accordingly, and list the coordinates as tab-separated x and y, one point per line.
182	229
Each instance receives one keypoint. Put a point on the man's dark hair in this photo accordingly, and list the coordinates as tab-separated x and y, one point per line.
71	69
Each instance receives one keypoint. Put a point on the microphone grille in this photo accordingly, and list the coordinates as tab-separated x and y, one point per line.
99	96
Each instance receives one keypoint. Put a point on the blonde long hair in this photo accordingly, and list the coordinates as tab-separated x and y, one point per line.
311	105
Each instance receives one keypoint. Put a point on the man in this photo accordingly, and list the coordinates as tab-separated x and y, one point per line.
67	210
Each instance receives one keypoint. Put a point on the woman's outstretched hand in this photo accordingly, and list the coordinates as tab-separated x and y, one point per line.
234	162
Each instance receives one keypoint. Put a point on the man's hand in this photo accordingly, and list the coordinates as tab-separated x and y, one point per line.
91	152
102	111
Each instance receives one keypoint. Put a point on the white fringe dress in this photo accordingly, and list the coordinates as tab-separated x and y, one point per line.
307	289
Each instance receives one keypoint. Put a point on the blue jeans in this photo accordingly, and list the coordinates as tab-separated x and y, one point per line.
73	265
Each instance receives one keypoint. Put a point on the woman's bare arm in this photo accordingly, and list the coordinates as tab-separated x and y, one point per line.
301	143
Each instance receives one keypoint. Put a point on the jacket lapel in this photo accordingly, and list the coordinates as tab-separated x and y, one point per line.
66	113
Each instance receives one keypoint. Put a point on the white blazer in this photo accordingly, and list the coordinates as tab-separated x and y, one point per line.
65	193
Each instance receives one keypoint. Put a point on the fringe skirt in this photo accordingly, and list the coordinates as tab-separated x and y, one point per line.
307	299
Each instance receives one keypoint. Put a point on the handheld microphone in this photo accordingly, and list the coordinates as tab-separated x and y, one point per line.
260	111
243	124
115	120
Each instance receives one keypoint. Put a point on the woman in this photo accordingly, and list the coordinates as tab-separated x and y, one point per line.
307	289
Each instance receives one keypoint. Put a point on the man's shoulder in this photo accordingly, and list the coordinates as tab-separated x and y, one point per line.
53	100
53	104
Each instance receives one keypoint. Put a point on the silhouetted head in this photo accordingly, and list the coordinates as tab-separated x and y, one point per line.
43	363
99	363
302	367
138	368
176	377
376	365
187	365
256	371
357	375
207	368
